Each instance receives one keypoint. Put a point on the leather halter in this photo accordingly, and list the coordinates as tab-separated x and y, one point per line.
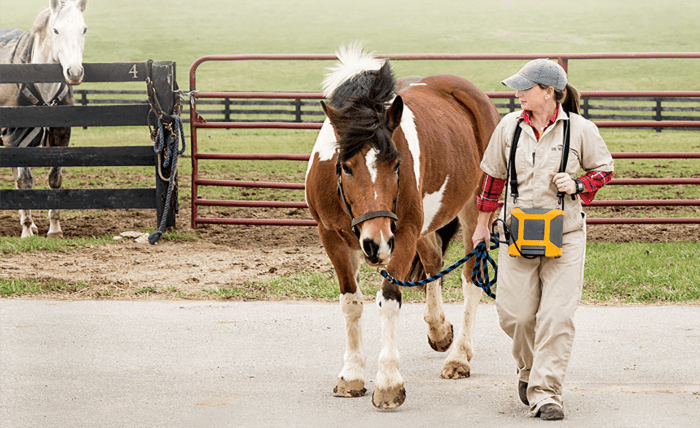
367	216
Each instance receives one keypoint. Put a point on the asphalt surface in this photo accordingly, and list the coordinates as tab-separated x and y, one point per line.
265	364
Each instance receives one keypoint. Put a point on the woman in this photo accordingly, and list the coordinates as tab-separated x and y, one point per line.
537	296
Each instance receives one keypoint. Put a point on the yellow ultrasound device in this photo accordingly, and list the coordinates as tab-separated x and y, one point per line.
536	232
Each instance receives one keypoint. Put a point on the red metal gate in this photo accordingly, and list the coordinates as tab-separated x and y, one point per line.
197	122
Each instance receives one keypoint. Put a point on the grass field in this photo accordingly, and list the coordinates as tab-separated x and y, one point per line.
179	30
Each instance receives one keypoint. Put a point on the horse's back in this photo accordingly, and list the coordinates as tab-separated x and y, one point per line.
9	37
466	97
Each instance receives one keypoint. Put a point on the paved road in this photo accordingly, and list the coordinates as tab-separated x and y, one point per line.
264	364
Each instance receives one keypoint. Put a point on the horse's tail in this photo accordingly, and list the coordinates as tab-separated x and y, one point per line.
446	233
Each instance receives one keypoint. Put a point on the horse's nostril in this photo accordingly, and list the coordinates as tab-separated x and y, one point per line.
370	247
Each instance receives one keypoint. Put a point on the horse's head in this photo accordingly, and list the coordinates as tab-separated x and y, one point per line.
368	175
67	29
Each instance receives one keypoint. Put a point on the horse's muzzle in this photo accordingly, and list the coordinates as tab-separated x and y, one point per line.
74	75
378	252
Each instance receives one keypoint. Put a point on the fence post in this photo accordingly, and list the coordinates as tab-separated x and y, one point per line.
227	109
163	76
658	112
84	100
297	104
585	108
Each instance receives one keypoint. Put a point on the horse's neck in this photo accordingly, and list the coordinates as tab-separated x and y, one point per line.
42	54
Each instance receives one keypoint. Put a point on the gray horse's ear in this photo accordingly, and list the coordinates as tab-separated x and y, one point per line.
82	5
55	5
393	115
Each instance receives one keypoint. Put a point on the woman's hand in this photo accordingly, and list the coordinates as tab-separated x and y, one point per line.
564	182
482	232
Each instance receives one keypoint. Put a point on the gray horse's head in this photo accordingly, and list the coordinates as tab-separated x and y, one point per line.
66	29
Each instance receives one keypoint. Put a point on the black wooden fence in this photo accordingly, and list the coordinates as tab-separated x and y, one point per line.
309	111
129	113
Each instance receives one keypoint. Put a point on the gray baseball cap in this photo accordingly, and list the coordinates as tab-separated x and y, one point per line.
541	71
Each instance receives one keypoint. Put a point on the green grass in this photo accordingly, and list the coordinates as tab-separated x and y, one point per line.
642	272
10	245
18	287
38	243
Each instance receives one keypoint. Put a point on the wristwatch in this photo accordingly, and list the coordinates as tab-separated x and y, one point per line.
580	188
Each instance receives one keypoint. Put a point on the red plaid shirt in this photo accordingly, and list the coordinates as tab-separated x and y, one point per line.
492	187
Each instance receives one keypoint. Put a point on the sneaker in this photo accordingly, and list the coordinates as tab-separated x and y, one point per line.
522	392
551	412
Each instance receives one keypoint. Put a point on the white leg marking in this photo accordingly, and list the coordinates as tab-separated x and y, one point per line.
462	350
388	375
432	203
54	225
434	315
355	357
408	126
28	226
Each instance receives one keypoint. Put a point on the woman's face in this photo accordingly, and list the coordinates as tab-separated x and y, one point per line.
535	98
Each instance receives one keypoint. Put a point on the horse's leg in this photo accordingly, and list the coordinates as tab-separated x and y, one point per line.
389	392
457	363
58	137
24	180
347	262
55	180
440	331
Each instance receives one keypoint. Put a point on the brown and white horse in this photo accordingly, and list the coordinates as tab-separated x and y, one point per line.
58	36
391	177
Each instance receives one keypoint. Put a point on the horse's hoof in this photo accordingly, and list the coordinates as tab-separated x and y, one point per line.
353	388
455	370
444	344
34	229
57	235
389	399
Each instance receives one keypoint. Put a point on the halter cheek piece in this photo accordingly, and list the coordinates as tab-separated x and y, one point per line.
370	215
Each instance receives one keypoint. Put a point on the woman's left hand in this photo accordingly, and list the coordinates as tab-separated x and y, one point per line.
564	182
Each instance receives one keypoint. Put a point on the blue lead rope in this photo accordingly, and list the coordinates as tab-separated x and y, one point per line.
480	273
171	153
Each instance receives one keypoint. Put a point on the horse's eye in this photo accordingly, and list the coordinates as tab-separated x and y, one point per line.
85	30
347	170
55	31
396	168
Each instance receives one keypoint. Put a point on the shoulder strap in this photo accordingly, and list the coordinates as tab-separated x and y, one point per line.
511	162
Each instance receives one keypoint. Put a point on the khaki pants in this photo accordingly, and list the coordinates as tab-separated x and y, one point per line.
536	301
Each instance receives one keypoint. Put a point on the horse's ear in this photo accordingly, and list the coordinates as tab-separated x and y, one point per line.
393	115
55	5
338	121
82	5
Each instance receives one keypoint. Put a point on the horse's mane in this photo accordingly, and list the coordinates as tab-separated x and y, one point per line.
361	88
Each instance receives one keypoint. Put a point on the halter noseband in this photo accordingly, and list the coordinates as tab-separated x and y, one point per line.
367	216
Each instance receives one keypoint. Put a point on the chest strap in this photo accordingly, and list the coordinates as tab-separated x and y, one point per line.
513	183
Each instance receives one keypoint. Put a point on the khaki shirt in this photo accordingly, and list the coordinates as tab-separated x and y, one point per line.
535	160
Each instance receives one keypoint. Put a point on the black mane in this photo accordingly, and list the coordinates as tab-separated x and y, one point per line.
364	100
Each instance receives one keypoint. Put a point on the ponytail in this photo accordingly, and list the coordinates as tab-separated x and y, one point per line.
569	98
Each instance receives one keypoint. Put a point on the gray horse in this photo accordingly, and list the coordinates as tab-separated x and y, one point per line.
58	36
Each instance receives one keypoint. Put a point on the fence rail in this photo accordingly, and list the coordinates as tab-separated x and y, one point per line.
243	107
129	113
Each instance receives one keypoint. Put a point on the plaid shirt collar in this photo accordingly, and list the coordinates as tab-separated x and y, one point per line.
526	116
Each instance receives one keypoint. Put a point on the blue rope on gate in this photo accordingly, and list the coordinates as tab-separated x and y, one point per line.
480	273
171	152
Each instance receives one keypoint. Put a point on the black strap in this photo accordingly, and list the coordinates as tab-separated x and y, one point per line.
511	162
513	183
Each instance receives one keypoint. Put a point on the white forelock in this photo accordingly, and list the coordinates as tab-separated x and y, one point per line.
352	60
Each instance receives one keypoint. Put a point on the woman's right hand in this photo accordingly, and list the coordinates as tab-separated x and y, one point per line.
482	232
